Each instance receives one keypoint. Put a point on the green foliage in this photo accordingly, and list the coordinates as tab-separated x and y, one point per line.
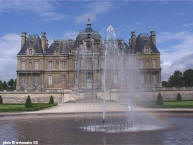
9	86
176	80
1	100
165	84
179	97
28	102
51	100
21	107
159	100
188	78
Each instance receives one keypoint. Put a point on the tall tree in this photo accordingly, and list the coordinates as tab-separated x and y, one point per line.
176	80
5	87
188	78
11	84
1	86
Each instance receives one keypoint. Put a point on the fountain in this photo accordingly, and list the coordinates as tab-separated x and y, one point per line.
120	80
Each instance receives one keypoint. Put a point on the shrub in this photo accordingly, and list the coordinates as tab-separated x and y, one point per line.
159	100
51	100
179	97
28	102
1	100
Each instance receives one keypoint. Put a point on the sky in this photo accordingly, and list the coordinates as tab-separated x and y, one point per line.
63	19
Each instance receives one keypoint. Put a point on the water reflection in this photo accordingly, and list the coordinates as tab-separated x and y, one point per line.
60	130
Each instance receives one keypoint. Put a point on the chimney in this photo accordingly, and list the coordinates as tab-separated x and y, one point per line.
133	40
44	41
23	39
153	37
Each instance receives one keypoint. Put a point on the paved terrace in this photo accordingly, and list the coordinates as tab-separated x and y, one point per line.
93	107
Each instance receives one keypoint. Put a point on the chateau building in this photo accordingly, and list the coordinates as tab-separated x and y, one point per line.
72	64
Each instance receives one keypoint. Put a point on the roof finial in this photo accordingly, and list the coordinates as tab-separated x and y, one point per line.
88	23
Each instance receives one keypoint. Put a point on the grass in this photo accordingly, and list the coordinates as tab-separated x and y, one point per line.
21	107
169	104
178	104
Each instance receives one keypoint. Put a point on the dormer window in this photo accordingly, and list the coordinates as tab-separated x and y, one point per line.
30	51
147	50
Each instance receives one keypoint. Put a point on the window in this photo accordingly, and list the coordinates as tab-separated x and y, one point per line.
50	80
22	80
89	80
63	65
76	79
50	65
142	79
36	65
23	65
90	64
64	78
36	80
76	65
147	50
30	51
154	79
154	63
141	63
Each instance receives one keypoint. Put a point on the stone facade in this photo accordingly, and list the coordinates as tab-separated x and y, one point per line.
44	67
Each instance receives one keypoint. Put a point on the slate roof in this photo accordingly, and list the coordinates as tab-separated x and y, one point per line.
61	46
65	46
122	45
142	40
33	41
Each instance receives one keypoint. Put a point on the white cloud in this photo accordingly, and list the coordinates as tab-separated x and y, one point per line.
9	47
93	9
43	8
188	25
84	18
99	6
178	55
70	35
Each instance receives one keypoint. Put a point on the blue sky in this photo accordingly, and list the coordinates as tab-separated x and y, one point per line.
172	21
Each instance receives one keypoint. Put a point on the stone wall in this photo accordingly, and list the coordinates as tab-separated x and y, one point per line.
69	95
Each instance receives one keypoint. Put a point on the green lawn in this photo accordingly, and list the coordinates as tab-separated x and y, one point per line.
177	104
21	107
168	104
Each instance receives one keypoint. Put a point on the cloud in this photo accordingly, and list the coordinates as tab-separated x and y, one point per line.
93	9
43	8
9	47
84	18
99	6
178	54
188	25
70	35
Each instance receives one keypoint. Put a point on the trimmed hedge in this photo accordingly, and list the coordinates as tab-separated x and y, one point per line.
179	97
1	100
28	103
159	100
51	100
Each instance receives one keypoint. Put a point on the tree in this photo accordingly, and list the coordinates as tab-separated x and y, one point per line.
1	86
51	100
5	87
159	100
188	78
179	98
176	80
165	84
11	84
28	102
1	100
